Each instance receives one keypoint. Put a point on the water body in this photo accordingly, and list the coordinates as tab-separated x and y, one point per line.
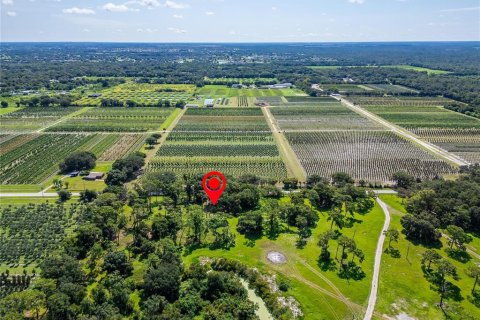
262	311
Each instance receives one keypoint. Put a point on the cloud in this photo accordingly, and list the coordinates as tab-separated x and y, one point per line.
177	30
274	8
76	10
356	1
7	2
461	9
178	16
209	13
147	30
149	3
175	5
11	13
116	7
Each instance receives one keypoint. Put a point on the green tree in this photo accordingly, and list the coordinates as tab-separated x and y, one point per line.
444	268
457	237
392	235
336	216
473	271
324	242
430	256
78	161
27	301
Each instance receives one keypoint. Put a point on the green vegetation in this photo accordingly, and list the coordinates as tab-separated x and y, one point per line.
216	91
116	120
141	94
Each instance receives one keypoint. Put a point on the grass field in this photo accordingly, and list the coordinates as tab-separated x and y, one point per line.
218	91
306	278
403	288
419	69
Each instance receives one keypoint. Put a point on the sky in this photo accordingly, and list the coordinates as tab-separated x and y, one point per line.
240	20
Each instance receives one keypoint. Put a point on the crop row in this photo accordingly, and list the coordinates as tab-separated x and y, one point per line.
224	112
369	155
126	144
464	143
29	233
115	120
308	100
260	137
267	167
28	119
399	101
328	116
224	124
37	159
218	149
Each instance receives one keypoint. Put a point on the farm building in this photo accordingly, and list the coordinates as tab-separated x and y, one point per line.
191	105
209	103
95	95
94	176
74	174
286	85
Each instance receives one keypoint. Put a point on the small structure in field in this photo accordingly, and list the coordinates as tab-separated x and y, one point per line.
276	257
92	176
191	105
209	103
74	174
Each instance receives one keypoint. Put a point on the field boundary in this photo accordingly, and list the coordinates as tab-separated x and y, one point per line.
445	155
294	168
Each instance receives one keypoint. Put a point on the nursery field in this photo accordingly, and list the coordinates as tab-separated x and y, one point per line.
366	88
30	232
368	155
464	143
216	91
223	120
144	94
31	119
321	116
31	162
413	113
234	141
33	158
307	100
115	120
244	81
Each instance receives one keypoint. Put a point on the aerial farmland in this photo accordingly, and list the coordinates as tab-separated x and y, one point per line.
238	180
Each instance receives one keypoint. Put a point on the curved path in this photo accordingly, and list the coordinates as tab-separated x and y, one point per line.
378	259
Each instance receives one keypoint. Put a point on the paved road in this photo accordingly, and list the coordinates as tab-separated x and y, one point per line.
378	260
406	134
34	195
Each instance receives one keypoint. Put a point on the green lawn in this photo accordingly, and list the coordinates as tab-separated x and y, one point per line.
20	188
403	287
76	184
302	270
419	69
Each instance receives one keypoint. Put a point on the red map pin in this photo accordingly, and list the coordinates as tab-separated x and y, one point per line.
214	183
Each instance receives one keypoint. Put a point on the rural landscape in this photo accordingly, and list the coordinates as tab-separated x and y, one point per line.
352	178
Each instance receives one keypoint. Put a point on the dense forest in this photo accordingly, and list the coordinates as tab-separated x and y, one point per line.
34	66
